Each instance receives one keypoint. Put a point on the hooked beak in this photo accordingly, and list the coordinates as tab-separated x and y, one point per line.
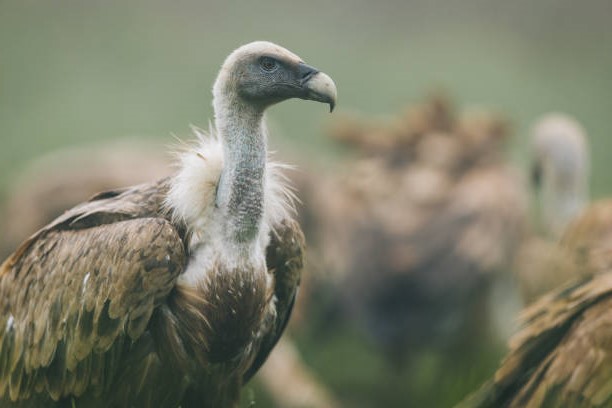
318	86
536	175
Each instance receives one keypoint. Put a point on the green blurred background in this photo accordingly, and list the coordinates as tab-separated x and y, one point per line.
75	71
72	72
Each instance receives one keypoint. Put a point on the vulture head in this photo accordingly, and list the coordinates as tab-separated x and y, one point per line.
560	169
261	74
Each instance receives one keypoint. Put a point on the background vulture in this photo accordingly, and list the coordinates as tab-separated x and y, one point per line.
416	230
170	293
560	174
73	175
562	354
562	357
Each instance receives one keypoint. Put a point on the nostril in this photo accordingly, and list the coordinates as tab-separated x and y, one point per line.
305	72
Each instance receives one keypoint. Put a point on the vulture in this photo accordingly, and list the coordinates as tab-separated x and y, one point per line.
71	176
417	227
562	356
560	170
560	175
174	292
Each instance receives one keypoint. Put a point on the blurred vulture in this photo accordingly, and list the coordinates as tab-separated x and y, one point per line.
562	357
560	170
170	293
560	174
417	229
58	180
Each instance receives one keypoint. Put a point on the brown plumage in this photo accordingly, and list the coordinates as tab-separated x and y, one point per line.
72	177
562	355
170	293
418	228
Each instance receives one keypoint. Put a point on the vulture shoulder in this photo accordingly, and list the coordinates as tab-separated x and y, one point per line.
75	289
583	250
589	236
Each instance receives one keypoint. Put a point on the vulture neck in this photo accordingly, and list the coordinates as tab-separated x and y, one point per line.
565	191
240	193
563	202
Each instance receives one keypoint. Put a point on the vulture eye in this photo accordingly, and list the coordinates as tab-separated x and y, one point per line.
268	64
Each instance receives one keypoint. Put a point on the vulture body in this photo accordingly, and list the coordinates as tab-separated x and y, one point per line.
170	293
562	357
418	227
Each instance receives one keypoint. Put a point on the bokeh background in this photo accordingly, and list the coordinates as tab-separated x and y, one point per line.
73	72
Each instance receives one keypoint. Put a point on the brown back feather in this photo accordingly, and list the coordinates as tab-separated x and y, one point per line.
75	291
563	354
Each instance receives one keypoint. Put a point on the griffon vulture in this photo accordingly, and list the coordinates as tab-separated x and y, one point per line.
562	357
170	293
416	230
560	175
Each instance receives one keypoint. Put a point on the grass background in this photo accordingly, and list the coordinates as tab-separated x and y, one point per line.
72	72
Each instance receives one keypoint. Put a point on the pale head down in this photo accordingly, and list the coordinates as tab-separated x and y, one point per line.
560	169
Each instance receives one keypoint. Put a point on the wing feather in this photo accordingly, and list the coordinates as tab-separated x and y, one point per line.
562	356
284	258
80	289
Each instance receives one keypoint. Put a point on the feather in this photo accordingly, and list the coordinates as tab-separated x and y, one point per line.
561	356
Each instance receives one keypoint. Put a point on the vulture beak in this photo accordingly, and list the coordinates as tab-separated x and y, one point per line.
536	175
318	85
